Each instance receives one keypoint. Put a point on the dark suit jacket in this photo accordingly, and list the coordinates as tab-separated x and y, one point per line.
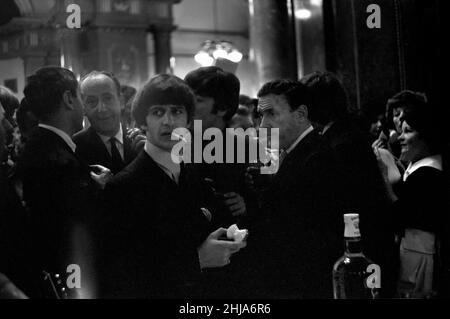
292	249
60	195
92	150
422	201
150	232
12	232
360	189
227	177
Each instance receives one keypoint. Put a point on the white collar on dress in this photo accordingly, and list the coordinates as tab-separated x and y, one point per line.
434	161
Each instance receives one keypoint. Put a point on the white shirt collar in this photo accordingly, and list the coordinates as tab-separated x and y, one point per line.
118	136
61	134
302	136
163	159
434	161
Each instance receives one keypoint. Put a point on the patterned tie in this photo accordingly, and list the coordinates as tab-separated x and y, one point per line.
117	162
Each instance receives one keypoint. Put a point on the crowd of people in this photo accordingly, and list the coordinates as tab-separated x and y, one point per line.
88	179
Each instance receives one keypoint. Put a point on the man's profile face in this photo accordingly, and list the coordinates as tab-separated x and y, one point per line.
102	104
276	113
161	120
204	107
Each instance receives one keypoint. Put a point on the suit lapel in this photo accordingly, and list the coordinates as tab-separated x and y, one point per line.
97	143
153	172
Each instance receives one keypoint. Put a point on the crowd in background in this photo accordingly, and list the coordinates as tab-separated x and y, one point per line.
87	179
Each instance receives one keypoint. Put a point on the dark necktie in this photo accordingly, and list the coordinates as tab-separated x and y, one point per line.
117	162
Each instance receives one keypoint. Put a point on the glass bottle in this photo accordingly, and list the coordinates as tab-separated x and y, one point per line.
354	275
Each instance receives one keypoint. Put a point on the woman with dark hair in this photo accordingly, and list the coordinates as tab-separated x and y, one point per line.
420	205
395	111
387	147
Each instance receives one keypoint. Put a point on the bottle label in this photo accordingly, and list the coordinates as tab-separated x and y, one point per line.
351	225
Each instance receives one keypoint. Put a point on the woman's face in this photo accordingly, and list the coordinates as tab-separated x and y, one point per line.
376	126
397	117
413	146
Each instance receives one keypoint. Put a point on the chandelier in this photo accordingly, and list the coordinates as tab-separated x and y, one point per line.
214	50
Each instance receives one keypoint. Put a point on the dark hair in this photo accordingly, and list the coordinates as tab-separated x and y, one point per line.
406	100
420	116
105	73
243	111
26	120
128	92
45	88
218	84
162	89
295	92
329	100
9	101
247	101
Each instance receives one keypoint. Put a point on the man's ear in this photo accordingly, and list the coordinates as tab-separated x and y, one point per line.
302	112
68	100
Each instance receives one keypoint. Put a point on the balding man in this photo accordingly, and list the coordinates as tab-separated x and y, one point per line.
105	142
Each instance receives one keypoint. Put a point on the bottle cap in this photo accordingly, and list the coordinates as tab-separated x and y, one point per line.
351	225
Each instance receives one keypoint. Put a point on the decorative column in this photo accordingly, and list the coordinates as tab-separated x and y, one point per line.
272	39
163	47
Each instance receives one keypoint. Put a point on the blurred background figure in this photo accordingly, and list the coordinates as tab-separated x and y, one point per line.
128	93
245	114
9	104
252	105
376	126
11	224
242	118
26	123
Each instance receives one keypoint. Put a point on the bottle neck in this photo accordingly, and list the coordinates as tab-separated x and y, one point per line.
353	245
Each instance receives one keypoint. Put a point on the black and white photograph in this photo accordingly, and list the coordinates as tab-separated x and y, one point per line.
224	154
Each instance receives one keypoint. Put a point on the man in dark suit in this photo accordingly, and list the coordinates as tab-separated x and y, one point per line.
105	142
358	181
156	235
11	224
58	188
217	99
297	239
